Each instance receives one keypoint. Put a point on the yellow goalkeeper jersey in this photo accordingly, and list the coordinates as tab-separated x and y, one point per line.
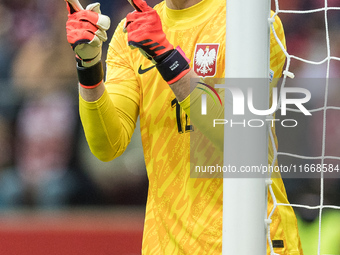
183	214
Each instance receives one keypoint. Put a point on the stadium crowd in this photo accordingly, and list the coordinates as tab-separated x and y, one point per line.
44	160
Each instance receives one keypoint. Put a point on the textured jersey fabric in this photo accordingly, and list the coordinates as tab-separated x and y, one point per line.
183	214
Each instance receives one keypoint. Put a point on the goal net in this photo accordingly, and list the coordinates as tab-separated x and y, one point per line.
310	150
307	118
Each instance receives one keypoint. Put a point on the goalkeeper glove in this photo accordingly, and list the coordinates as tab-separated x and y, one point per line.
86	32
144	28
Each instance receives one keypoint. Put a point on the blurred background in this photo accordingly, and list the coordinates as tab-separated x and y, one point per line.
52	186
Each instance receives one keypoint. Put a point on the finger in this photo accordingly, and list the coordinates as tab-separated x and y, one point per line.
140	21
104	21
101	35
129	19
75	25
74	6
80	25
101	21
140	5
95	7
79	37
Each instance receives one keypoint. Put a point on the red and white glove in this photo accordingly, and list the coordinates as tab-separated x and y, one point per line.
144	28
86	32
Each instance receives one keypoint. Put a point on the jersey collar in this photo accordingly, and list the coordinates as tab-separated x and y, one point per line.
192	16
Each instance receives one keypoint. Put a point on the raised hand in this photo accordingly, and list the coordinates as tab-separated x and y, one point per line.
86	31
144	28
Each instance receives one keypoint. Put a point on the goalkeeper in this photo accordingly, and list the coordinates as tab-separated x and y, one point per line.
149	67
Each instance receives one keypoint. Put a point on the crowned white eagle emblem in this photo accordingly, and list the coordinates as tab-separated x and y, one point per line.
205	59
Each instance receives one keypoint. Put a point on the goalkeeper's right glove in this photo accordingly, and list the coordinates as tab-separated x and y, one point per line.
86	32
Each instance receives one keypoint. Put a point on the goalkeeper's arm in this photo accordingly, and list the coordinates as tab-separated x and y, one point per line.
86	31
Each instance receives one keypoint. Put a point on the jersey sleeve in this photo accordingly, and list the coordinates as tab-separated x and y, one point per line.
110	121
277	55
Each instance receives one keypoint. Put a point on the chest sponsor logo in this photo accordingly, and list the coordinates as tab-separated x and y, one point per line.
205	59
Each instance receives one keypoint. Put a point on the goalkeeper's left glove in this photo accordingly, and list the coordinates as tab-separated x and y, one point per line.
144	28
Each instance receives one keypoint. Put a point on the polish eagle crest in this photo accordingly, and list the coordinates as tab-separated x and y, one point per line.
205	59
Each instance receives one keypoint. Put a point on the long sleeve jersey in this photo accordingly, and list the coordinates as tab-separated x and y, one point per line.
183	214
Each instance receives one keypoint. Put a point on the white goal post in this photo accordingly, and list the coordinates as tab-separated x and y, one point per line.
245	199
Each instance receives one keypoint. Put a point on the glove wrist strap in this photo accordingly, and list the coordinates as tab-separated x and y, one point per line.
90	77
174	66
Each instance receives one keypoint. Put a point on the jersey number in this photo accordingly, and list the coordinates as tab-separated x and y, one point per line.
187	127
